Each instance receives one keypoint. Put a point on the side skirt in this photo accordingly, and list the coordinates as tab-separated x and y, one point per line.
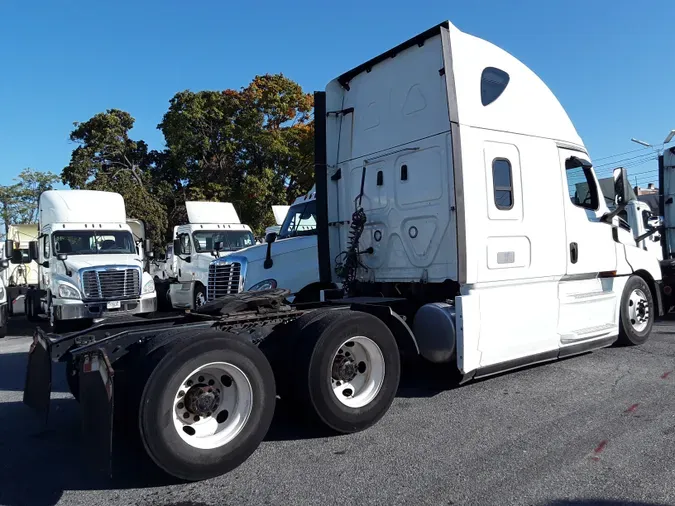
567	351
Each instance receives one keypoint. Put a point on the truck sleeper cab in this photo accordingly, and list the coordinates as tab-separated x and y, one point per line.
449	213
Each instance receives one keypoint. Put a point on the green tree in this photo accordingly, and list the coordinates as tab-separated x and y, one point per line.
252	147
107	159
19	201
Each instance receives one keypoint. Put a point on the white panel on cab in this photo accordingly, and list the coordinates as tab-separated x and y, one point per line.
399	134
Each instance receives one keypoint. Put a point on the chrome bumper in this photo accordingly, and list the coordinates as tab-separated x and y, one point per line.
66	309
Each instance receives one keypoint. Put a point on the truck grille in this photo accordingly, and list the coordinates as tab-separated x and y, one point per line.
223	279
111	284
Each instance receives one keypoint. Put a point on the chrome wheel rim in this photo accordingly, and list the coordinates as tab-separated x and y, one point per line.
212	405
357	372
638	310
200	299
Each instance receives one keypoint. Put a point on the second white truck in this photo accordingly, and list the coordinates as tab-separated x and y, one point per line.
210	225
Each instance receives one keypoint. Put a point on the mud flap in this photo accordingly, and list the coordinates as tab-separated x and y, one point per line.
38	387
96	400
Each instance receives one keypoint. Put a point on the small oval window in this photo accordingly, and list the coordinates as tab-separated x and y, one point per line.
493	82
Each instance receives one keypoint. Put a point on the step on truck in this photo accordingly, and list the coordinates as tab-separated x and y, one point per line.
213	228
287	260
89	267
445	175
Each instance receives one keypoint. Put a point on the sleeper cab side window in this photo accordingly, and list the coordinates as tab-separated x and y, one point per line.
493	82
581	185
502	182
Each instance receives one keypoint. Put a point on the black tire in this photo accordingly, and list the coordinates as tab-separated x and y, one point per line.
199	291
29	307
57	326
3	331
168	366
628	334
318	343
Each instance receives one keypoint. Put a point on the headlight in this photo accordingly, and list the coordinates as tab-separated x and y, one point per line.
68	292
149	286
268	284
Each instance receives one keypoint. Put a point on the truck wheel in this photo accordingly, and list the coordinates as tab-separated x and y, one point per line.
636	312
348	370
28	307
199	297
3	331
206	405
56	326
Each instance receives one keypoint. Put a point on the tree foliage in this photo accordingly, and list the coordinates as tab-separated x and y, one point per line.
19	201
252	147
107	159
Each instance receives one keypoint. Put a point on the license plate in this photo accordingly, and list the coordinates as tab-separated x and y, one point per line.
114	304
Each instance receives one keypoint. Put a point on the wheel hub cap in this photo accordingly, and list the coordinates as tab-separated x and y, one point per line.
344	369
201	400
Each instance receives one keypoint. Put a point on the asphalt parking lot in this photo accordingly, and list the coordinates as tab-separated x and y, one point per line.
593	429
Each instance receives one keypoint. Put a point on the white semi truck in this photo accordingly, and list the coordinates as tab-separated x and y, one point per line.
210	225
445	175
22	272
288	260
89	267
4	299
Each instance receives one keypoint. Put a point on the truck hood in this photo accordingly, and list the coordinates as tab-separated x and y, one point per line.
77	262
279	247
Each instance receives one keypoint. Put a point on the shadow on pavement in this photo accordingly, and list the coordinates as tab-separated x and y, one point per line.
599	502
13	374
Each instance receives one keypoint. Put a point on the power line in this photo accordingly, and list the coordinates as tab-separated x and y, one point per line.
621	154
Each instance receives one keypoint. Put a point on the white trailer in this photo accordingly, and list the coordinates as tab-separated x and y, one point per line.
89	267
445	194
213	228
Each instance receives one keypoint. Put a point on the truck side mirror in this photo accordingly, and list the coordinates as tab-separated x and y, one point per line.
176	247
270	237
620	186
62	256
4	263
217	247
147	246
9	248
33	252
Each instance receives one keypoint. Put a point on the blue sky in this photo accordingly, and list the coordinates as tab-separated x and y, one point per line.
609	63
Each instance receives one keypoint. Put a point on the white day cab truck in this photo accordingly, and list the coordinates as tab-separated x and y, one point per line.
211	225
444	208
22	272
4	299
287	260
89	267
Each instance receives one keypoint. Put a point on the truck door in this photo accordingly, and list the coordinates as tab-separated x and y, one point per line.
587	302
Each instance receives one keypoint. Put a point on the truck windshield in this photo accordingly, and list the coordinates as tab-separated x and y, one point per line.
300	220
233	240
91	242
